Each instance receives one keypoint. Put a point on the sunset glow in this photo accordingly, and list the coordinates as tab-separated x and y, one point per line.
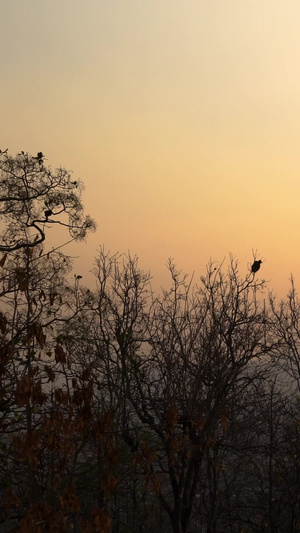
181	118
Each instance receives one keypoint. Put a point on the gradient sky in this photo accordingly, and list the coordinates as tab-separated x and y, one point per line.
181	117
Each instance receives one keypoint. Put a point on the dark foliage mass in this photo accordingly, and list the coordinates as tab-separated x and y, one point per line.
122	410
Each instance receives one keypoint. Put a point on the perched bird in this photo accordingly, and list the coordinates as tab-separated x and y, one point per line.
48	213
256	266
39	157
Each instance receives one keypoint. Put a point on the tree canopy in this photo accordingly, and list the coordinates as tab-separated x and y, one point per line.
33	197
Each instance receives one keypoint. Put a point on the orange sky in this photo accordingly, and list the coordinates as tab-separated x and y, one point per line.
182	118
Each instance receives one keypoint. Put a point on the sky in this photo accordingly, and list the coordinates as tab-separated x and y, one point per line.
181	117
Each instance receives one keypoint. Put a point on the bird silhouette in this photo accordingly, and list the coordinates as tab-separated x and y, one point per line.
39	157
256	266
48	213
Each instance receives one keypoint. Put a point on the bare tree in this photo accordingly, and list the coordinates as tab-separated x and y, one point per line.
170	366
285	325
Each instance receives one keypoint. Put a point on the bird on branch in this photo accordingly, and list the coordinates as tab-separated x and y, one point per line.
256	266
48	213
39	157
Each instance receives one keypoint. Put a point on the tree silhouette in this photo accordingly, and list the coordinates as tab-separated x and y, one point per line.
30	193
